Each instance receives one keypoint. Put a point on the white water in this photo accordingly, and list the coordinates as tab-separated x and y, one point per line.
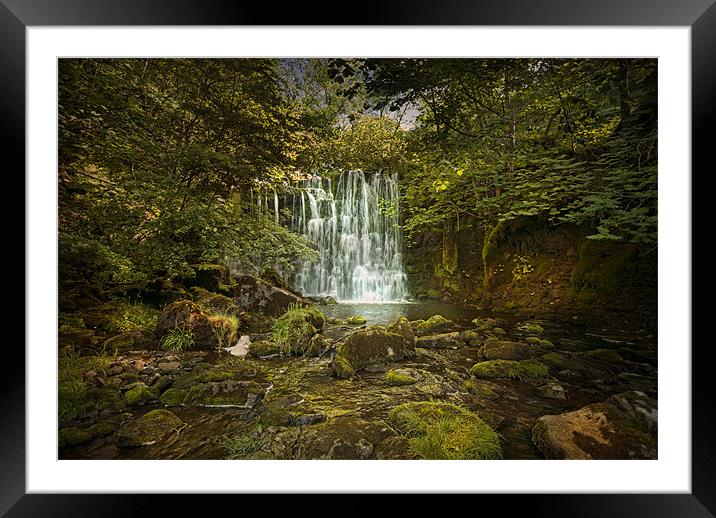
359	245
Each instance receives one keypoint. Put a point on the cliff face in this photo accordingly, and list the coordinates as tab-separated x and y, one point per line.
536	268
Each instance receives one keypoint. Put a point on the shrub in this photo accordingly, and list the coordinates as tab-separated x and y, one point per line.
177	340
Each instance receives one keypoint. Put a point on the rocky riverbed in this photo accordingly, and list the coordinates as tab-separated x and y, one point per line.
327	388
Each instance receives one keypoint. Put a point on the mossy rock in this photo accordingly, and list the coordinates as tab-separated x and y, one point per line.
293	331
139	395
399	377
317	345
531	328
228	393
512	369
484	323
356	320
402	327
342	368
478	389
438	430
262	348
506	350
371	346
69	437
173	397
433	325
189	317
560	362
468	335
214	375
499	331
134	340
148	429
534	340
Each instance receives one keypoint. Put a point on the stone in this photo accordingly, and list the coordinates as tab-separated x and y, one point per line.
506	350
173	397
256	295
434	325
317	345
371	346
399	377
148	429
169	367
512	369
227	393
134	340
402	327
441	341
468	335
115	370
484	323
622	427
139	395
553	391
356	320
499	331
262	348
188	316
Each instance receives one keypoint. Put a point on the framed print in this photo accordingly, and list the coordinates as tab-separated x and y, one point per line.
439	251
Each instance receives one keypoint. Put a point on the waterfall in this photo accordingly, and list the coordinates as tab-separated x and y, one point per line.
357	238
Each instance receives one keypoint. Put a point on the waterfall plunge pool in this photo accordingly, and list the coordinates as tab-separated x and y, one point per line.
384	313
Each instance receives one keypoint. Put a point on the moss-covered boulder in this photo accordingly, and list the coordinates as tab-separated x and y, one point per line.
368	347
356	320
256	295
189	317
398	377
228	393
208	276
484	323
506	350
72	436
622	427
342	368
317	345
226	329
437	430
436	324
139	395
531	328
293	331
135	340
525	369
262	348
148	429
441	341
402	327
173	397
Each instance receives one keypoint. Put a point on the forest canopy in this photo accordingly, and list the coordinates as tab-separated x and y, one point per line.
162	161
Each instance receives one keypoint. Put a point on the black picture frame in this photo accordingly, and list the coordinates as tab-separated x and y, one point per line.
17	15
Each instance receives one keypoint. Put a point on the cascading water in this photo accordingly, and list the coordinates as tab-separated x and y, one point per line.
357	235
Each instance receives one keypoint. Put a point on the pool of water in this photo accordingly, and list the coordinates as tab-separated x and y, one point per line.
388	312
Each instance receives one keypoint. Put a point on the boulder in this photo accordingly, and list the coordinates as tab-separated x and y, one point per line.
526	369
227	393
506	350
622	427
441	341
367	347
188	316
434	325
484	323
256	295
263	348
398	377
402	327
148	429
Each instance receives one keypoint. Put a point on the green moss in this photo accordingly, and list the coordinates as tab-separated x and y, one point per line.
173	397
69	437
241	446
342	368
139	395
559	362
214	375
603	268
225	329
399	377
513	369
103	428
226	393
499	331
546	343
532	328
445	431
434	322
356	320
76	395
533	340
263	348
294	329
478	389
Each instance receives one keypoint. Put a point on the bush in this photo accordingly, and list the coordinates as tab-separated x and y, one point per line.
295	327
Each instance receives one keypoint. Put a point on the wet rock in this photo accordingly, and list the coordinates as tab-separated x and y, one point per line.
553	391
436	324
306	419
402	327
506	350
228	393
173	397
356	321
622	427
262	348
73	436
186	315
468	335
256	295
398	377
478	389
530	328
115	370
139	395
521	370
441	341
148	429
169	367
484	323
161	383
499	331
317	345
372	346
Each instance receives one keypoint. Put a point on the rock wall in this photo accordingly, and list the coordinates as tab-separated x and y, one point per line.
536	268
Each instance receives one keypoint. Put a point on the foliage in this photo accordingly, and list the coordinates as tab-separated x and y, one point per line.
73	388
294	327
127	315
225	329
522	268
444	431
241	446
177	340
